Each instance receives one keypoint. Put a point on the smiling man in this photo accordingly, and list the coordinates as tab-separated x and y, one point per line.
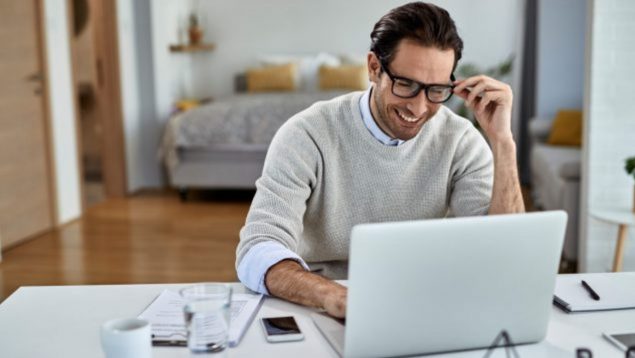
393	152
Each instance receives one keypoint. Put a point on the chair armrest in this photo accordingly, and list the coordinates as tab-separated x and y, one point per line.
539	129
570	171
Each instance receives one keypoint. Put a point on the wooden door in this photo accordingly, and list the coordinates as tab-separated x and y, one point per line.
26	207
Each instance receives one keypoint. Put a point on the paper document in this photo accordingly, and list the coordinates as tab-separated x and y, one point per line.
616	291
165	314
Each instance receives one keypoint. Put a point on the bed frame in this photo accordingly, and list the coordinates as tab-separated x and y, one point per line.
218	167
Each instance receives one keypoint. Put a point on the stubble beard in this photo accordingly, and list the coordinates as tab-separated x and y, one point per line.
386	122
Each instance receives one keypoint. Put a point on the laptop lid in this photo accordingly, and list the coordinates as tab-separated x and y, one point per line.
451	284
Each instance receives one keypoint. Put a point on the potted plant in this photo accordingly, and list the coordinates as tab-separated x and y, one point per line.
195	31
630	170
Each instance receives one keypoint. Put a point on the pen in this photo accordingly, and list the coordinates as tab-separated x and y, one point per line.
588	288
169	343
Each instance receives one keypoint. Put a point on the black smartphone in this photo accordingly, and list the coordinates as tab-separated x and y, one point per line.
281	329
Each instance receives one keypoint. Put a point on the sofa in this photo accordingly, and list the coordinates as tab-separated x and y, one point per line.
555	180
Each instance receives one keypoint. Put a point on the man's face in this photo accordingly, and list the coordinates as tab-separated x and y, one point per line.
403	118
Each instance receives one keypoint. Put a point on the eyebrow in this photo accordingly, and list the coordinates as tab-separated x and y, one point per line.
419	82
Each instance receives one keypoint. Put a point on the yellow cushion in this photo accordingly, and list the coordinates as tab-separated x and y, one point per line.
187	104
566	128
272	78
353	77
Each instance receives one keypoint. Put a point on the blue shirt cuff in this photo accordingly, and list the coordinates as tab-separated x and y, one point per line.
257	261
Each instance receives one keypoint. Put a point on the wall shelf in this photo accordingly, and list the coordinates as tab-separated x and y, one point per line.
192	48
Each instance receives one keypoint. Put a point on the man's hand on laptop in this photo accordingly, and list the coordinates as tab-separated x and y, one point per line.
335	302
290	281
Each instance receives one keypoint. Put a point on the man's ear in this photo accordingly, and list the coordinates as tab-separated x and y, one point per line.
374	67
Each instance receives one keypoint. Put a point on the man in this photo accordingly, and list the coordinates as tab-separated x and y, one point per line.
391	153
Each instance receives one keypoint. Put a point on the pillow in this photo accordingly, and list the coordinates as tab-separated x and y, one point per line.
353	77
308	67
187	104
354	58
566	128
272	78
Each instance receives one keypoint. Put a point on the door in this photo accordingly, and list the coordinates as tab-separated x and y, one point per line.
26	207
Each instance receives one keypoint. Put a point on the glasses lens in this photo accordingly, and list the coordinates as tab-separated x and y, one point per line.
438	94
404	88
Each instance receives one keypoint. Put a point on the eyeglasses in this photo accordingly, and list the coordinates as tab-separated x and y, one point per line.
407	88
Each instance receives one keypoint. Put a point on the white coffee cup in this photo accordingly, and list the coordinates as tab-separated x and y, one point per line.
126	338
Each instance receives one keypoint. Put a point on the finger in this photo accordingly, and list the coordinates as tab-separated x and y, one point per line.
468	82
463	94
491	83
476	91
500	97
484	101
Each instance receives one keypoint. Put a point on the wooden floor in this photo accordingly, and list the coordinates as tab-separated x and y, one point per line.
151	238
148	238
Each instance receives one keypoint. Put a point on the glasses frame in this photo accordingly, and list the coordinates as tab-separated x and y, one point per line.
420	85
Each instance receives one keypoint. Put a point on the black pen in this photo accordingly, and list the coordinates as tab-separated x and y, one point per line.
593	294
169	343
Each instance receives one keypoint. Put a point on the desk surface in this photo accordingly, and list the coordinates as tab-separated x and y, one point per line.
624	216
64	321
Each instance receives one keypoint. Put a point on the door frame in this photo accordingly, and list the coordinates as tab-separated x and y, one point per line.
46	110
108	94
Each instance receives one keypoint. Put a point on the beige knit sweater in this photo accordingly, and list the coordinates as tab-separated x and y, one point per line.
325	172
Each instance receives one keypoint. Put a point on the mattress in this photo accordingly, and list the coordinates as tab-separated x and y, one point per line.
243	120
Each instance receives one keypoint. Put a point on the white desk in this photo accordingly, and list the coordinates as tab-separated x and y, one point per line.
64	321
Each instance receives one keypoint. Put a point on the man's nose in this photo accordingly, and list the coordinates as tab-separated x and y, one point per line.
418	105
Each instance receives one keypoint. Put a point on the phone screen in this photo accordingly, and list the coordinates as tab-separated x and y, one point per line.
280	326
627	339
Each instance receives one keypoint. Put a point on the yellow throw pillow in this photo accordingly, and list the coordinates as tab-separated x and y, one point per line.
566	128
187	104
272	78
353	77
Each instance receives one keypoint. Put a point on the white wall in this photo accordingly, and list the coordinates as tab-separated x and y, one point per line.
129	90
62	111
609	129
142	130
560	56
244	29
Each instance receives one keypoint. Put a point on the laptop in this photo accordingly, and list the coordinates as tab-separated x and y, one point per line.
431	286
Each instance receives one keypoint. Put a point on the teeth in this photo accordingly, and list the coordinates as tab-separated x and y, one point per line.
406	118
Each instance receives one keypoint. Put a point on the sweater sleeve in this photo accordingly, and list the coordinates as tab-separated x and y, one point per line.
289	175
472	176
257	261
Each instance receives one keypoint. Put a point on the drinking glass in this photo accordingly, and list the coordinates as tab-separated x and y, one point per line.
207	316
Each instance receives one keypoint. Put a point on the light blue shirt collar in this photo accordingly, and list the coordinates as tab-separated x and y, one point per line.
371	125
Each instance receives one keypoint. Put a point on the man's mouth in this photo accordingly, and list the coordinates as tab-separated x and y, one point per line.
405	117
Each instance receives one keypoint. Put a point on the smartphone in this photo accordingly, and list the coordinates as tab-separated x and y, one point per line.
622	340
281	329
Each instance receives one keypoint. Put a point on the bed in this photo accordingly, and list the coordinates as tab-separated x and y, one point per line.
222	144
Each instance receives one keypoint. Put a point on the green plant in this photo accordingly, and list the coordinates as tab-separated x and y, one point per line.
630	166
499	71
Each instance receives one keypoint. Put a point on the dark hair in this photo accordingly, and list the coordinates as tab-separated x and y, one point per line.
427	24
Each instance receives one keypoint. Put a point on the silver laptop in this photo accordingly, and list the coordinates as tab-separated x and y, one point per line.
430	286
